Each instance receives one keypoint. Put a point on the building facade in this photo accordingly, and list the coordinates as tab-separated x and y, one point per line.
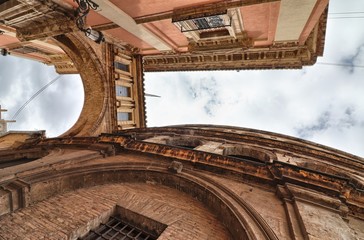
181	182
111	176
179	35
111	43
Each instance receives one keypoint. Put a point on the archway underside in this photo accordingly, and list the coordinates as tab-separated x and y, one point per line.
81	170
87	57
134	201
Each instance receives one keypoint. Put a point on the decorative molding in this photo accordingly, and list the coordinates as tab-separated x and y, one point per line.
38	19
175	167
242	41
293	217
48	28
63	64
235	59
17	193
292	195
317	198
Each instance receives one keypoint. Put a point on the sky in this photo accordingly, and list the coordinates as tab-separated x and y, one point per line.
321	103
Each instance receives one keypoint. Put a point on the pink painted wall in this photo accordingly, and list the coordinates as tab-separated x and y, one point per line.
260	22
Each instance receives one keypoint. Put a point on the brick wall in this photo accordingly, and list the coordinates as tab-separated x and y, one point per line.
67	216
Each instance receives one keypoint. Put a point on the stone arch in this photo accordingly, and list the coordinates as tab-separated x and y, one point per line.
249	153
88	58
139	204
242	221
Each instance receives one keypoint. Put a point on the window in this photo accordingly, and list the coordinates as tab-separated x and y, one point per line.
117	229
123	91
121	66
204	23
124	116
201	23
209	22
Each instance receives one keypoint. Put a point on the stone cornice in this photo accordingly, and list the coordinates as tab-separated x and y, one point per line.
39	19
279	56
268	174
217	45
271	140
339	193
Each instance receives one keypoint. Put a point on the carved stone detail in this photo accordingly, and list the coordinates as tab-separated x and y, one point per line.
235	59
35	19
50	28
175	167
242	41
63	64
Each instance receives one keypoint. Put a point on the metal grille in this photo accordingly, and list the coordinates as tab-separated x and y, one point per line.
201	23
210	22
117	229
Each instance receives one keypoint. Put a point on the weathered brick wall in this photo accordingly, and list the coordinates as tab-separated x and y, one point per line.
260	200
70	215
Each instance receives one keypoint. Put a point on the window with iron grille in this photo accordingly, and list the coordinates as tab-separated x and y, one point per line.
205	23
116	228
209	22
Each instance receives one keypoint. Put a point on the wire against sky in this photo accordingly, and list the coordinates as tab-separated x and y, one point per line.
34	96
340	64
341	15
59	76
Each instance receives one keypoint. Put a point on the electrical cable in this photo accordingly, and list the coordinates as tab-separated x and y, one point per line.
341	64
341	13
34	96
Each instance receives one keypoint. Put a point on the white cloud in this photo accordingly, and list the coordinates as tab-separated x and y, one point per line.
20	79
313	102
